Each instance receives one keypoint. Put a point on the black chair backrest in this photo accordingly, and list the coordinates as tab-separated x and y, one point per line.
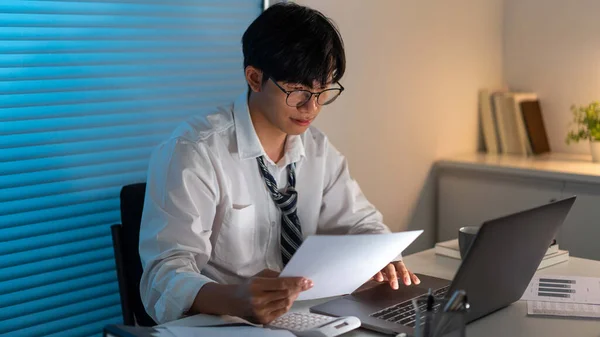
126	238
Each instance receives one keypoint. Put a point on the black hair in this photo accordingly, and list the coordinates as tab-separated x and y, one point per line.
295	44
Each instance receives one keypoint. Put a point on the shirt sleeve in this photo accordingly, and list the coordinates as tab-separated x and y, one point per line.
179	210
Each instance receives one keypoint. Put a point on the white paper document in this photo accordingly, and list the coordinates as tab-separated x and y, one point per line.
563	309
247	331
202	320
339	264
564	289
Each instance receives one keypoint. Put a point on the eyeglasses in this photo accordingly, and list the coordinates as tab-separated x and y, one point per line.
297	98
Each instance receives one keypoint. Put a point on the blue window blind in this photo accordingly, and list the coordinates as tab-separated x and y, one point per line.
87	89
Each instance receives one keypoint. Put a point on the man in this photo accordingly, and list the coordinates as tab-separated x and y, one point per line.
231	195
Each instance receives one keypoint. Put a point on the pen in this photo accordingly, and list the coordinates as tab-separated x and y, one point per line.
455	301
429	314
465	303
450	301
462	304
430	300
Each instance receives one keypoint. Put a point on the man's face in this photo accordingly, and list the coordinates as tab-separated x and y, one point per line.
290	120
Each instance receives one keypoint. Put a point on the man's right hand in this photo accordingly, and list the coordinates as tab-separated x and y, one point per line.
261	298
266	298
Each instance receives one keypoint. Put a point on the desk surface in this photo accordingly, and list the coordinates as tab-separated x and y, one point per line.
511	321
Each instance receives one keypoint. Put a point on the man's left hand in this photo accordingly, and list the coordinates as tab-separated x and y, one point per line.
396	270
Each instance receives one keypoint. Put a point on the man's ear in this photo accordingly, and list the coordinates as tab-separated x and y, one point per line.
254	77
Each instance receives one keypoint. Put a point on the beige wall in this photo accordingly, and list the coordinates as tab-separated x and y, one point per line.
552	47
414	68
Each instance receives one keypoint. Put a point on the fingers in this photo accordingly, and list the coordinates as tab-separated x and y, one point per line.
267	273
270	317
390	270
273	296
414	278
282	283
378	277
266	315
270	304
285	303
266	290
403	272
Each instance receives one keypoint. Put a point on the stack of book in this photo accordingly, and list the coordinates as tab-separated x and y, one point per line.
553	255
512	123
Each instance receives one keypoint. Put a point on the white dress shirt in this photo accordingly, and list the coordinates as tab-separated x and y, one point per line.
208	216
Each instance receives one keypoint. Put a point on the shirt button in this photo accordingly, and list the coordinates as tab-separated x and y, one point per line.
272	223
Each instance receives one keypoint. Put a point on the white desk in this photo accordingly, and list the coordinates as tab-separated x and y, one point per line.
511	321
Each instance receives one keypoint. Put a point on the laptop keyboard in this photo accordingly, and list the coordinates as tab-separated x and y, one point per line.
404	313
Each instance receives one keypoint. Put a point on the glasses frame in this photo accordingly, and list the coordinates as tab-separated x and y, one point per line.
316	94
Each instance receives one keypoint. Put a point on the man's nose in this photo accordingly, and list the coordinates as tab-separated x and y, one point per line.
310	106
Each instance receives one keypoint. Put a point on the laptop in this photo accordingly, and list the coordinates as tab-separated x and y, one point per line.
495	273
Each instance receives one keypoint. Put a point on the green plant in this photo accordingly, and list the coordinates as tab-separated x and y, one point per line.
586	120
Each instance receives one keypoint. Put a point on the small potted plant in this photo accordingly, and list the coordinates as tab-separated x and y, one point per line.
586	125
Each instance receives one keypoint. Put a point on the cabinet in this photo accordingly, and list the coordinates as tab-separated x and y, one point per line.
580	233
473	189
470	198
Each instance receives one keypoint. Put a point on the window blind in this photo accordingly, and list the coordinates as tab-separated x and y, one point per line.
87	89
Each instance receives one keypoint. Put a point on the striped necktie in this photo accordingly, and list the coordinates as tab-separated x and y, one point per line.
291	232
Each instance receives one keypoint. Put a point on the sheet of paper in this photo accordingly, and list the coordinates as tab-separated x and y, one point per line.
247	331
563	309
209	320
162	332
565	289
339	264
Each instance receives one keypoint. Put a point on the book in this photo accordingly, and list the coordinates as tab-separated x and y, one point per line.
488	123
514	101
504	107
495	121
534	125
498	108
513	130
553	255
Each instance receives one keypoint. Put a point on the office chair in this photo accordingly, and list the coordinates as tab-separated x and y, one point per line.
126	238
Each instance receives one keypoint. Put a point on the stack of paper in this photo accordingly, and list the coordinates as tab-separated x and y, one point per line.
248	331
563	309
210	321
569	296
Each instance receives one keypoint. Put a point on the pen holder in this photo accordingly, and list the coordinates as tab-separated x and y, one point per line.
437	323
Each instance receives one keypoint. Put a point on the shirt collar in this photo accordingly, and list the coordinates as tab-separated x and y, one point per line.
249	145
